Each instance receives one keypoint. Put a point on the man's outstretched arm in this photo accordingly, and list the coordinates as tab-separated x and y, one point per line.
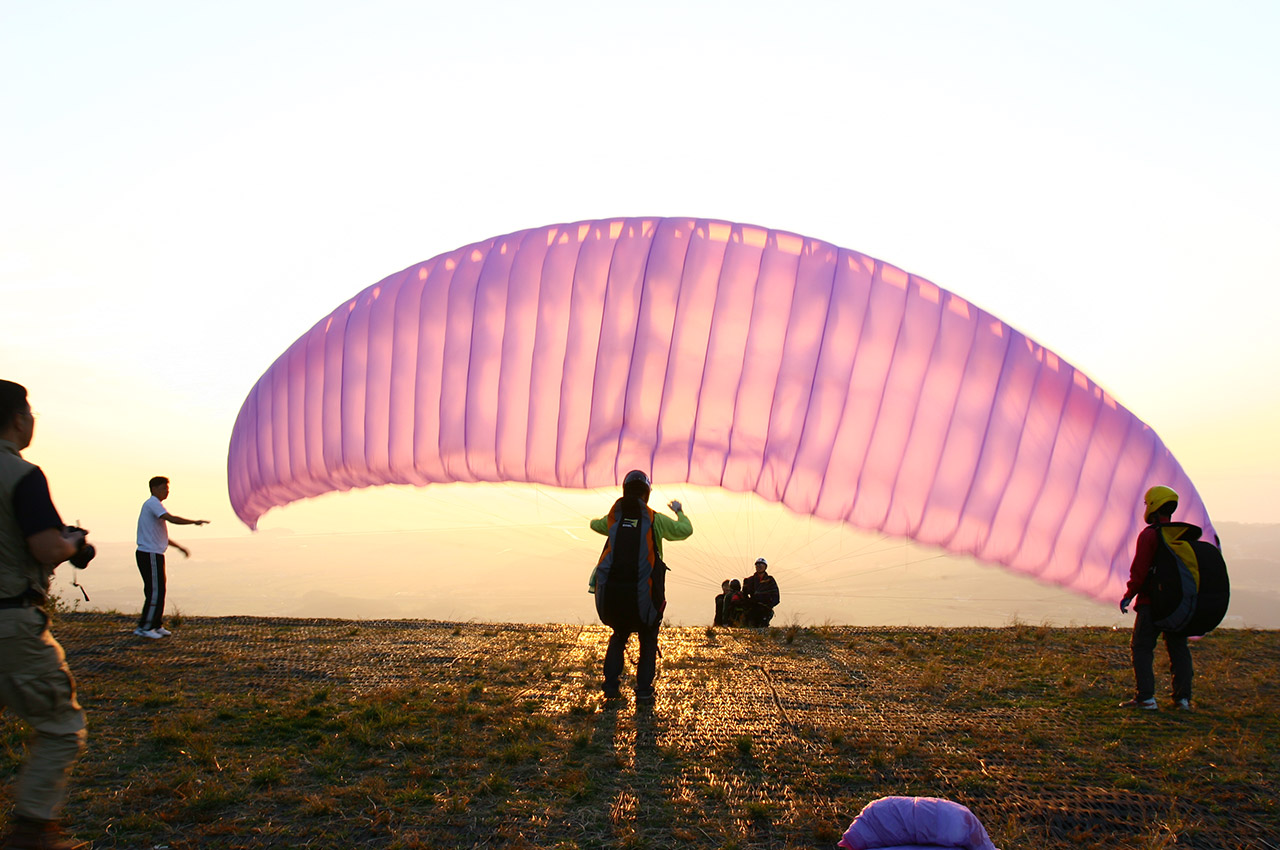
178	520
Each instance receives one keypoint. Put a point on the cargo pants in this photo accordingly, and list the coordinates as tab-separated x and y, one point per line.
1143	648
36	685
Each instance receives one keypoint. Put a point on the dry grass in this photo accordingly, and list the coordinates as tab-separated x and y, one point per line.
273	733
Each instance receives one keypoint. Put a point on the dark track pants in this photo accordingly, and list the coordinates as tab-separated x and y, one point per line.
1143	645
151	566
646	667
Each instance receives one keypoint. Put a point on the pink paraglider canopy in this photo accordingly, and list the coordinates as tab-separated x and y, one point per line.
719	354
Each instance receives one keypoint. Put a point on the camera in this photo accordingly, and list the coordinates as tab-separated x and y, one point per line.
84	554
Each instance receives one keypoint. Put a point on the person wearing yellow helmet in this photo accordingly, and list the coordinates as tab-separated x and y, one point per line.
1159	503
1158	497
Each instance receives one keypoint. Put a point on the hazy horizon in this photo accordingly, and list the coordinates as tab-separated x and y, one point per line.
535	571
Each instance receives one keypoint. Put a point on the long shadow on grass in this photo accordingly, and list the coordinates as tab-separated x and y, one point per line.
633	775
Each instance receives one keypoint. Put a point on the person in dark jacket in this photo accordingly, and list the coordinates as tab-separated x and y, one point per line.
724	591
761	593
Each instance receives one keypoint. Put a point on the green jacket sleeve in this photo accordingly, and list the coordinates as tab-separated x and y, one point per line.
665	528
672	529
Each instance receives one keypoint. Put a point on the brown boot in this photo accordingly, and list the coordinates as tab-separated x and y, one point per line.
31	834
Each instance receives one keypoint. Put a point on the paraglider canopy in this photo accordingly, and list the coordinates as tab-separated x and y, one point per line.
718	354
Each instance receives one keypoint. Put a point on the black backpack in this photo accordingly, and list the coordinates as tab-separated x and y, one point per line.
1215	591
630	577
1179	603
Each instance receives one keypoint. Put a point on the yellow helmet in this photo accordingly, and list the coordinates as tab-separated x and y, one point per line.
1156	498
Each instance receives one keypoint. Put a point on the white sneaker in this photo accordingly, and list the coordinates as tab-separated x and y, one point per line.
1146	704
148	633
163	631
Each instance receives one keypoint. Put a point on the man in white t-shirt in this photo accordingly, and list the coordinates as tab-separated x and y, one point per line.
153	540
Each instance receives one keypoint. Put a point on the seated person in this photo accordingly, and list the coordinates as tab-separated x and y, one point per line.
761	592
735	605
724	591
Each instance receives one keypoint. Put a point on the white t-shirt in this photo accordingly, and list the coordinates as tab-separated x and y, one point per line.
153	532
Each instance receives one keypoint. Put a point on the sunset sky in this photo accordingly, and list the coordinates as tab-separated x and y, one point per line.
189	187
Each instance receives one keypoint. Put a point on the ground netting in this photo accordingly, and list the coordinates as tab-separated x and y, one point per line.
876	698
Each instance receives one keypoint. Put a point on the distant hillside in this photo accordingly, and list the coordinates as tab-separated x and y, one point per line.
1252	551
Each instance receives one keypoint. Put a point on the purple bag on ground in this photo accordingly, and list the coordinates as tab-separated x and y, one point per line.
915	823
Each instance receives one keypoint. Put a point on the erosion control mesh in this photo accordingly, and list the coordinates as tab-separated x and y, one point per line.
801	718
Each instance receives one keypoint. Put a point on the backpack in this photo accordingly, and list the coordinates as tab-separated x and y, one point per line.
1214	595
630	577
1188	584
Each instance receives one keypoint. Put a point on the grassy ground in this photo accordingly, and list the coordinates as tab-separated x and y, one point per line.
240	732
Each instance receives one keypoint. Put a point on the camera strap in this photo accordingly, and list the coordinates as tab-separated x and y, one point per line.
79	586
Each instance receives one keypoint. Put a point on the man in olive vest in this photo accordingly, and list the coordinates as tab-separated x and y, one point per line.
35	682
